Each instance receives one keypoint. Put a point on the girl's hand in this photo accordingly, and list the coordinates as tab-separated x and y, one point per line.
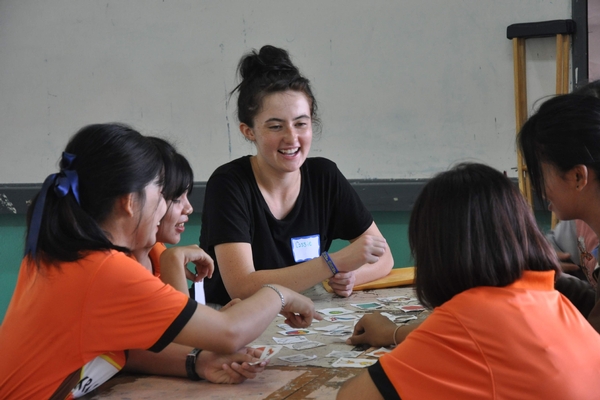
182	255
299	310
342	283
373	329
229	368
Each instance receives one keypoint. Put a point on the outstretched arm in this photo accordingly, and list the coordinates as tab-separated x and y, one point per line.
229	330
216	368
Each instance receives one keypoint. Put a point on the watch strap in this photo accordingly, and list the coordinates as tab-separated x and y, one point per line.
190	365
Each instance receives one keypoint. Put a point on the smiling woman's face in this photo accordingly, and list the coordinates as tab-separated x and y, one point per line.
282	131
173	223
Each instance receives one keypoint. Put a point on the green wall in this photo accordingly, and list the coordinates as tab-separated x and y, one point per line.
393	226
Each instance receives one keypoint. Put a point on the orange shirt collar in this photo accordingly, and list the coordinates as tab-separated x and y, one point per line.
536	280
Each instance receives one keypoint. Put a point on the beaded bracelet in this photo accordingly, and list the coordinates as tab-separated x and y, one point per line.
329	262
280	295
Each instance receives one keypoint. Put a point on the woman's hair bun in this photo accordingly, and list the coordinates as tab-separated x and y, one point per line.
269	59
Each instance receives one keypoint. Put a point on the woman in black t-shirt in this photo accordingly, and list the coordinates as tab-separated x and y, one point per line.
271	217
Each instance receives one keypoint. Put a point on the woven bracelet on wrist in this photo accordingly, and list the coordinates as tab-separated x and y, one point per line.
329	262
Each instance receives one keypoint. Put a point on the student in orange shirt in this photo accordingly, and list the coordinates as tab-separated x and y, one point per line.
178	184
498	328
79	294
561	147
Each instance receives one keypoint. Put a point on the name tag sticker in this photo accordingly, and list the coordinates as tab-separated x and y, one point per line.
306	247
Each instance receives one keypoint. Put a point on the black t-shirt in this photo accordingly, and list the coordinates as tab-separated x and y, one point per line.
235	211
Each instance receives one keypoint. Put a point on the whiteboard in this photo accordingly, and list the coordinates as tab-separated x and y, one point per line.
404	88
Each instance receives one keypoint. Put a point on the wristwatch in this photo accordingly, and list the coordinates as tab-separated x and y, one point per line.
190	365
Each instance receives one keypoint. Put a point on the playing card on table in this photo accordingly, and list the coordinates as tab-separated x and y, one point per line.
353	363
304	345
330	328
297	358
290	339
379	352
412	308
344	354
345	331
341	318
297	332
402	320
368	306
335	311
399	319
393	299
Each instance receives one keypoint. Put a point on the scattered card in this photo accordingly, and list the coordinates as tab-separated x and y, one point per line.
405	319
399	319
297	332
297	358
368	306
341	318
344	354
337	311
393	299
290	339
346	331
304	345
412	308
353	362
379	352
330	328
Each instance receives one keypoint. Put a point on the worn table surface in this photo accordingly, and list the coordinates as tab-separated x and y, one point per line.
314	379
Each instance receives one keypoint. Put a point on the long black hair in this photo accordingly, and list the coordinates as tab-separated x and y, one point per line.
564	132
471	227
178	174
101	163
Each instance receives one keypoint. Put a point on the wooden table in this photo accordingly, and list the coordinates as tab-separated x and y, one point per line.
315	379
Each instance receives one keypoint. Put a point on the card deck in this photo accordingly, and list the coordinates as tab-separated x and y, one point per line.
268	352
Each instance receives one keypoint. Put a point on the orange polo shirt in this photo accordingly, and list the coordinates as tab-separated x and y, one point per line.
60	319
523	341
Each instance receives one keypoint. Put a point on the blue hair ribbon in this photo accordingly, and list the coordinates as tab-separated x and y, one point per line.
64	182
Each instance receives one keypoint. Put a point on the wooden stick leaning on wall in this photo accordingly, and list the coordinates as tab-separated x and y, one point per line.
518	33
